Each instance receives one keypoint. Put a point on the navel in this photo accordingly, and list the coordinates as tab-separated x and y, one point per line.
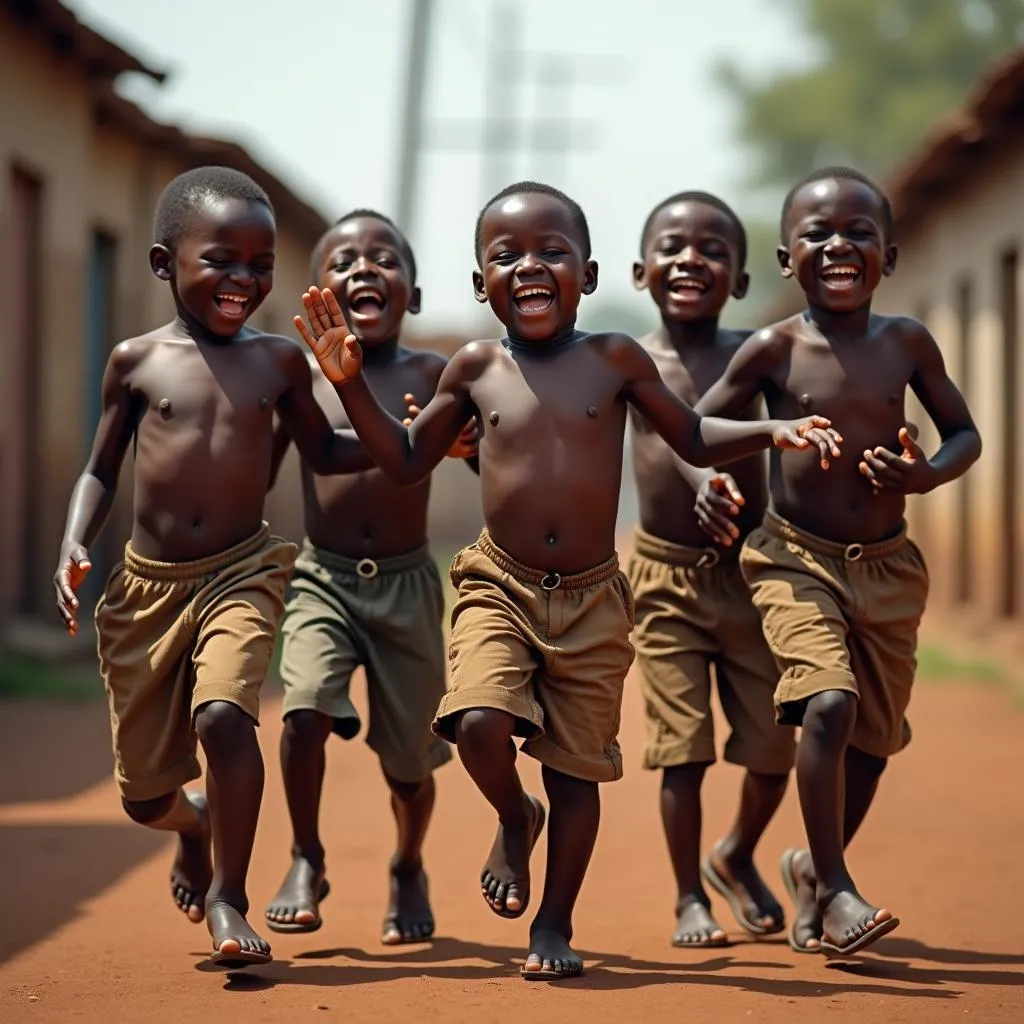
592	412
551	539
805	401
493	418
264	403
166	410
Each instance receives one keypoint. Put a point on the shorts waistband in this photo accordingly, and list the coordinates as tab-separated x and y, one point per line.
681	555
149	569
365	568
546	580
785	530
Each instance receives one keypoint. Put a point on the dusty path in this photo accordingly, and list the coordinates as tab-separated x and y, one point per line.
88	932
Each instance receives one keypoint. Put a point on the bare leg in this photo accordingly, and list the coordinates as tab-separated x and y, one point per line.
682	818
186	814
575	816
303	762
409	917
484	738
235	789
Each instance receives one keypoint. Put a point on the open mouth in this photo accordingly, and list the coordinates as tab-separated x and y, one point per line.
840	275
232	304
365	301
687	287
534	298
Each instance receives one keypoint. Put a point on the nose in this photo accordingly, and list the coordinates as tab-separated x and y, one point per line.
688	256
363	267
838	244
241	273
529	264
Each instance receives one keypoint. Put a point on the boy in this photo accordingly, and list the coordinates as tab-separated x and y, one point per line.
693	608
840	587
365	592
187	623
538	652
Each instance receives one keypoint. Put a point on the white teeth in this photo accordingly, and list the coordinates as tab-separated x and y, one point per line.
233	298
523	293
840	272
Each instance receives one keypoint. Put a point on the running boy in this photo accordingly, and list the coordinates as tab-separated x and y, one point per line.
840	587
365	592
693	608
538	652
187	622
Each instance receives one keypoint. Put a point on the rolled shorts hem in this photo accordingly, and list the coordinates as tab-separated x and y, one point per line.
338	709
869	746
528	714
795	691
159	785
672	755
755	760
604	767
229	691
414	772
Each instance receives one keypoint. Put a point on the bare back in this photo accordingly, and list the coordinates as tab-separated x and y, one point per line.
666	499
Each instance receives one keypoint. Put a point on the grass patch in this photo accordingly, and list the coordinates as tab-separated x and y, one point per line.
938	664
24	677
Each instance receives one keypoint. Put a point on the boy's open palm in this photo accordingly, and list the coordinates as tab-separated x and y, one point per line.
798	435
336	349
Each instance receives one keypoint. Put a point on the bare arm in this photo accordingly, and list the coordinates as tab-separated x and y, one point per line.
95	489
407	456
744	377
324	450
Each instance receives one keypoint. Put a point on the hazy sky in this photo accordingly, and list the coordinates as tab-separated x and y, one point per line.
313	88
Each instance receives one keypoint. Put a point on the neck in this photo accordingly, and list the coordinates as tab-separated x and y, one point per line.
852	323
380	353
189	327
559	339
680	334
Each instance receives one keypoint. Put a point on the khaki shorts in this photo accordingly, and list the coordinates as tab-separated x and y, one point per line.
385	615
693	611
840	617
552	651
176	635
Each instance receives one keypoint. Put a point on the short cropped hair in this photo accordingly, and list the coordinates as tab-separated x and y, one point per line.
842	174
696	196
403	242
192	190
527	188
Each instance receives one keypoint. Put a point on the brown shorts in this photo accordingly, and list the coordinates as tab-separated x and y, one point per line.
176	635
693	611
840	617
385	615
551	650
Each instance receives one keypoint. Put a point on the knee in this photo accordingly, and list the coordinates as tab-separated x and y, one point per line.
830	715
410	792
481	729
685	776
147	812
306	728
867	766
222	724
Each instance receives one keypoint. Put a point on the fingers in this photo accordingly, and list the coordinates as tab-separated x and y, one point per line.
908	438
316	310
304	332
884	469
713	513
724	482
337	318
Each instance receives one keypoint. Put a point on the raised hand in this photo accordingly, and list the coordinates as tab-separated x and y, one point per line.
796	435
336	349
907	473
718	498
74	567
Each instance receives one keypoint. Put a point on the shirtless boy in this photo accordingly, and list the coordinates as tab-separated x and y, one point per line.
187	622
693	608
365	592
840	587
540	631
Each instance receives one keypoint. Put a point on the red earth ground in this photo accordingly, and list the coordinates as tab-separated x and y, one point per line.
89	932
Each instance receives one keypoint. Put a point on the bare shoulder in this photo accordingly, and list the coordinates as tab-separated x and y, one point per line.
907	330
285	352
474	358
131	353
423	363
766	348
731	338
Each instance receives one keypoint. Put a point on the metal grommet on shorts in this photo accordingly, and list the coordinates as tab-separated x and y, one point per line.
552	581
853	552
366	568
709	559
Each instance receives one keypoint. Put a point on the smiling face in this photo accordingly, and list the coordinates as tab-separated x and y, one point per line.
691	261
533	266
836	243
364	262
222	267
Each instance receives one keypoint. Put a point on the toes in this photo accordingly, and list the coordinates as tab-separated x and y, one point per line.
513	899
195	913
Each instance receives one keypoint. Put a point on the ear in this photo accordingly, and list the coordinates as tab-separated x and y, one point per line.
640	276
890	260
479	291
785	261
589	278
741	285
414	304
161	262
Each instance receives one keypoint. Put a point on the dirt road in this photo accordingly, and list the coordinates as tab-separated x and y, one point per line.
88	931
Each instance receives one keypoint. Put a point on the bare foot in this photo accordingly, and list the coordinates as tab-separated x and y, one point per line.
851	923
740	884
296	907
409	917
192	870
696	926
235	944
505	879
550	957
802	885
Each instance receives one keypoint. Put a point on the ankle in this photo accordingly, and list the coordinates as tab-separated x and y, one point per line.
733	852
406	864
313	854
553	923
692	897
224	898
